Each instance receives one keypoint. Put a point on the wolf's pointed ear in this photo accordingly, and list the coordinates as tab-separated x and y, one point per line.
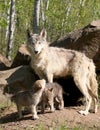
43	34
28	33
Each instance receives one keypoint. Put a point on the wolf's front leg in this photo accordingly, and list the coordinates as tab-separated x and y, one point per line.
51	104
19	111
52	109
49	78
34	112
61	102
43	107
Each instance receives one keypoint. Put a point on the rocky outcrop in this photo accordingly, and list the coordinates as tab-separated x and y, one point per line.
4	63
86	40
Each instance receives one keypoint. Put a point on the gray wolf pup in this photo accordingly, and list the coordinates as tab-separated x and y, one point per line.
52	95
29	98
50	62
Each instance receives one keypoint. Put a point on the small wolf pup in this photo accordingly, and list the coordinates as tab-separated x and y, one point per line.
52	95
29	98
51	62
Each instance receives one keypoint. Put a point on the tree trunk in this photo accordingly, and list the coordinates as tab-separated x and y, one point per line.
36	16
47	5
68	8
82	3
7	18
42	12
11	30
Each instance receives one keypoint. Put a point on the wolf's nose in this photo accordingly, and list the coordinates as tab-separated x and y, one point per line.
35	52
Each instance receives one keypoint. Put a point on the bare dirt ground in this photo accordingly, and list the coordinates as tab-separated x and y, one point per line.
66	119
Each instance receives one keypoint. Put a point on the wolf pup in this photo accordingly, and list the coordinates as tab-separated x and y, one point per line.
52	95
29	98
49	62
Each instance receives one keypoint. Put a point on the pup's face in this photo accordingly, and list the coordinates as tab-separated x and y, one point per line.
48	94
37	43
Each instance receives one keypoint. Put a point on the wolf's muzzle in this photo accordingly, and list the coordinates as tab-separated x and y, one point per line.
36	52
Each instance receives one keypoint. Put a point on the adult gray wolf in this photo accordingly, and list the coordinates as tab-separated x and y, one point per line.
50	62
29	98
52	95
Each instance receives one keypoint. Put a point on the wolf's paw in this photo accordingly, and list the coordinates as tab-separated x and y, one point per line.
93	110
52	110
43	112
61	108
83	112
20	116
35	117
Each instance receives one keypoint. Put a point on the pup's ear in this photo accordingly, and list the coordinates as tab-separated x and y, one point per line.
43	34
51	89
37	86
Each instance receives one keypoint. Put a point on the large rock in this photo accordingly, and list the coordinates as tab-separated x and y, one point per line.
22	57
4	63
14	80
86	40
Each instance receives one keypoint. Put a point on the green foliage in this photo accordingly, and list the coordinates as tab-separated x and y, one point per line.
60	17
58	22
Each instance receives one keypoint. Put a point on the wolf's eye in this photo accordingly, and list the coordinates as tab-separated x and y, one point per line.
32	42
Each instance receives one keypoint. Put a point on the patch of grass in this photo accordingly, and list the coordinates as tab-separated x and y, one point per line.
57	127
62	127
41	127
38	127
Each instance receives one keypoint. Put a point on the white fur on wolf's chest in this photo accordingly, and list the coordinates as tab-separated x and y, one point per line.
39	66
35	63
50	64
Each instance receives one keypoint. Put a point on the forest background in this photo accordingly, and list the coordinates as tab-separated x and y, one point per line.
58	17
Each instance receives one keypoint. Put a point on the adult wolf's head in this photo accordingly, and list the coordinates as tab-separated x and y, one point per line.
36	42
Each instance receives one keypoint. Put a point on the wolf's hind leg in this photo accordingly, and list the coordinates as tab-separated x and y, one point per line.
49	78
43	107
81	84
95	104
